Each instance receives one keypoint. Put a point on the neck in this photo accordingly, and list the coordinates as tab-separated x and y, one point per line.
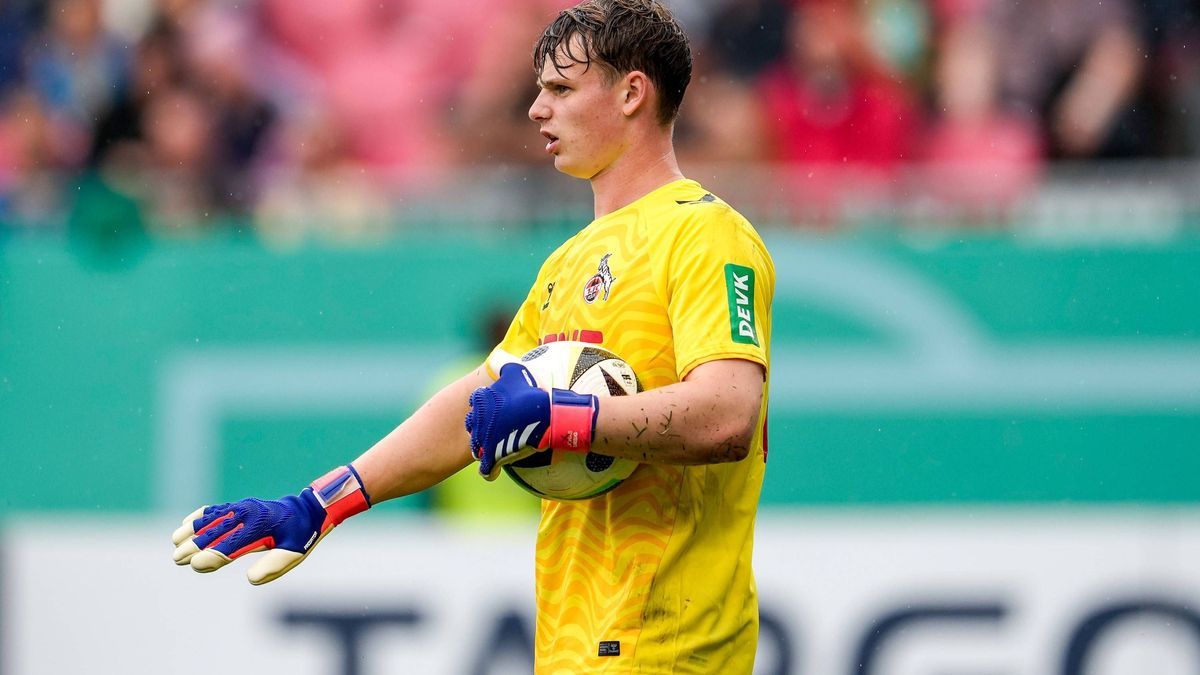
646	167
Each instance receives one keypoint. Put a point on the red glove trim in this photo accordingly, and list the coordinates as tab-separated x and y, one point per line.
341	493
214	523
225	536
572	423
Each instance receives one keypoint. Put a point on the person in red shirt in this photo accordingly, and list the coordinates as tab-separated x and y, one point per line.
979	160
833	110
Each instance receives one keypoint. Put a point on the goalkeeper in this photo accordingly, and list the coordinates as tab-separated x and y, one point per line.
654	576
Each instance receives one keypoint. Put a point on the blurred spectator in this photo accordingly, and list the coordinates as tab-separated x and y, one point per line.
177	15
409	90
192	61
744	37
489	115
180	175
1172	31
312	188
950	12
158	63
34	149
979	159
1076	64
387	70
832	100
77	67
899	32
19	20
220	49
832	106
721	120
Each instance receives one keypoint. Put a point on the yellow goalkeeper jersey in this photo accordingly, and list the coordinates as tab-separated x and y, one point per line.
654	576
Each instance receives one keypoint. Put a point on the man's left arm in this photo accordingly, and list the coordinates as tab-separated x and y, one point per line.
708	418
720	281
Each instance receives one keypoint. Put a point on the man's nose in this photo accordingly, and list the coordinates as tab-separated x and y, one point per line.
539	111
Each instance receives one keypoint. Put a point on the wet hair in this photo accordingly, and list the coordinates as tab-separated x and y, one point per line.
621	36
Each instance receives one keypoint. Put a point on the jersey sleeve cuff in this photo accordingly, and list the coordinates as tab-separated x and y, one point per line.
685	367
496	360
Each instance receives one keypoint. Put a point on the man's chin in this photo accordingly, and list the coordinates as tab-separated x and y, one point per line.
572	170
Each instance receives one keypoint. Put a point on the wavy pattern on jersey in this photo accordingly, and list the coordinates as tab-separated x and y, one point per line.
598	561
591	589
643	335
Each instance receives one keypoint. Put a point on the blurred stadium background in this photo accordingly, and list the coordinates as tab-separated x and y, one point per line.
241	240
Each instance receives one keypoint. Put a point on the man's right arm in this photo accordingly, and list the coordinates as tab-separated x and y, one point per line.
426	448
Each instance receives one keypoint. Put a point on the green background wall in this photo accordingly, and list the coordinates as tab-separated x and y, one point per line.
906	370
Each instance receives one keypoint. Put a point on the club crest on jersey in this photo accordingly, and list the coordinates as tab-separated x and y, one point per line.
602	280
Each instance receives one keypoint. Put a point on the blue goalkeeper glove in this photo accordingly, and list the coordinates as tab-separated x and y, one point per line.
287	528
512	418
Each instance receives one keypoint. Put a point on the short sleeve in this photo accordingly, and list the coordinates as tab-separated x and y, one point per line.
719	283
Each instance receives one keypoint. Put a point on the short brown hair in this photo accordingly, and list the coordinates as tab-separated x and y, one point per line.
622	36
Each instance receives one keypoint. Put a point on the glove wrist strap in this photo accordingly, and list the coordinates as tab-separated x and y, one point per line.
572	420
341	493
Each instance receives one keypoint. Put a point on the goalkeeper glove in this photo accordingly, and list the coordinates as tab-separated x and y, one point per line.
512	418
287	528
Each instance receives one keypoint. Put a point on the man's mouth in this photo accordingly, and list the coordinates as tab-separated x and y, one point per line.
552	143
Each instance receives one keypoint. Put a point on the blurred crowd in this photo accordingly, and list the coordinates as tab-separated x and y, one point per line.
179	117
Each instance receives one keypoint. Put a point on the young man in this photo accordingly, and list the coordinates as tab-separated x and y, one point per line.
654	576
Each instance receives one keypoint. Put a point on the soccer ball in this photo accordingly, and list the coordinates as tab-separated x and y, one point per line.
586	369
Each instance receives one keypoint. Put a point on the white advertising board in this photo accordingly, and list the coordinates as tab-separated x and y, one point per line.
967	592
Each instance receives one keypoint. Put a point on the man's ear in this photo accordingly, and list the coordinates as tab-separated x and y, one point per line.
636	89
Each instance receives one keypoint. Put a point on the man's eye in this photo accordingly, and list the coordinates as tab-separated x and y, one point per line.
560	89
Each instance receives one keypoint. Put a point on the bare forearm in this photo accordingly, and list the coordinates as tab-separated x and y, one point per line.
426	448
1105	82
708	420
1110	73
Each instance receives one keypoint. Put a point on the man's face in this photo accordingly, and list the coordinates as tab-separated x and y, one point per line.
579	113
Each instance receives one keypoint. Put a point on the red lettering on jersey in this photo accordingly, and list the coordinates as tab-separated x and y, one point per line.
594	337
